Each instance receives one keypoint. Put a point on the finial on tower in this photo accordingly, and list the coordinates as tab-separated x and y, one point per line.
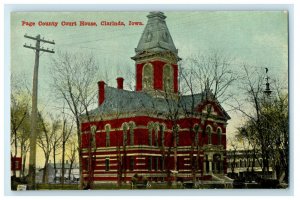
267	90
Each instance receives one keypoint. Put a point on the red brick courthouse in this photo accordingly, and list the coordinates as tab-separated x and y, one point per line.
154	131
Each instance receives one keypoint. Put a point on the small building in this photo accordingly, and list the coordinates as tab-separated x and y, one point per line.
54	173
245	164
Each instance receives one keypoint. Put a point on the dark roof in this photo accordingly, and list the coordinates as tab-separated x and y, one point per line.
156	36
120	101
123	101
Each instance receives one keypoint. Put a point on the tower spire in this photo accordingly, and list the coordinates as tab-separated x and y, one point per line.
156	58
156	36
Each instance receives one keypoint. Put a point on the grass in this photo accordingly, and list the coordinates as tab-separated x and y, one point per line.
112	186
57	187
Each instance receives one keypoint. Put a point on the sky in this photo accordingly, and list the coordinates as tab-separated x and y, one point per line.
258	38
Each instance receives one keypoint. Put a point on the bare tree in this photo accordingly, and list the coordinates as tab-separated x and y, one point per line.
44	139
66	133
211	71
232	155
56	146
266	125
74	78
20	119
210	77
71	155
23	138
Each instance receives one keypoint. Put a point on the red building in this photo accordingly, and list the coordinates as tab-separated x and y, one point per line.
154	131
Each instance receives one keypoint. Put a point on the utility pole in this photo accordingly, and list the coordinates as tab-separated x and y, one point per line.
34	112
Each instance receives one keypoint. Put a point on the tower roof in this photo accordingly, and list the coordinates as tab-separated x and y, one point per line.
156	36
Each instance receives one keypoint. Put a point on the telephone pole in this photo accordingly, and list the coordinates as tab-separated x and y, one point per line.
34	112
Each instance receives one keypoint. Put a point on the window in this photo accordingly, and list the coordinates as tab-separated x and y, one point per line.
131	131
156	134
131	163
156	163
168	78
162	163
150	163
148	77
196	130
107	164
125	128
208	132
219	136
93	138
150	126
17	163
162	133
107	138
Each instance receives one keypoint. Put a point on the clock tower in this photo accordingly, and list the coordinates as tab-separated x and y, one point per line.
156	58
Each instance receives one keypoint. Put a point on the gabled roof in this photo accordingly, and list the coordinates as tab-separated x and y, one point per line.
156	36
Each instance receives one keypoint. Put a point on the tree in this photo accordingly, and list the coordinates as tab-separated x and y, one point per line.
44	139
74	77
71	154
232	156
56	146
266	125
66	133
209	71
20	119
210	76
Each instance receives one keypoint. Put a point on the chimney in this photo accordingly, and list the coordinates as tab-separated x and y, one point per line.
120	81
101	92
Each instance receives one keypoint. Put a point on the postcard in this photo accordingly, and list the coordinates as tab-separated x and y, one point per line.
149	100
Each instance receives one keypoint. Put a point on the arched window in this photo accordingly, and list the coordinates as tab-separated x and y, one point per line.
107	136
168	78
208	132
125	128
131	132
148	76
93	139
150	128
219	132
196	130
156	129
162	133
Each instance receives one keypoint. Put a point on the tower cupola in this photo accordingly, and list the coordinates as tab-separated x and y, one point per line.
156	58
